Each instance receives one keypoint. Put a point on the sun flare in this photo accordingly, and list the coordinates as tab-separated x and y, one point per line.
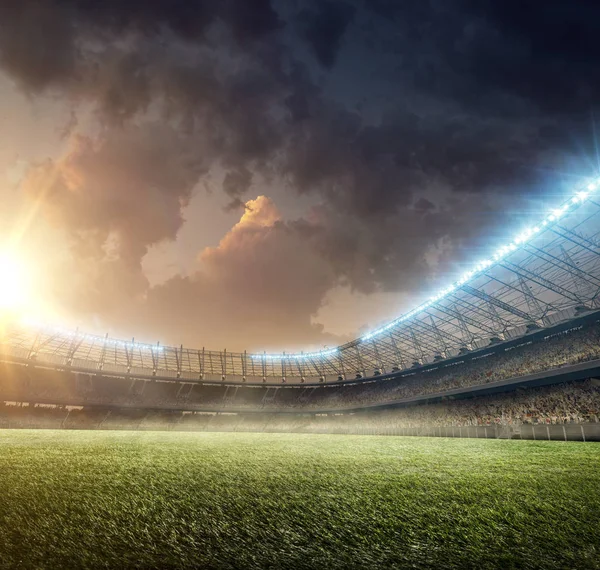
15	283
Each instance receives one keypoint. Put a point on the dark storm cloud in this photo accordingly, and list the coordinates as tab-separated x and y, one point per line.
127	188
473	99
552	58
236	183
368	260
498	57
323	26
37	45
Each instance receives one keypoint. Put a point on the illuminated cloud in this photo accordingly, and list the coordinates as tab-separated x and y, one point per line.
124	191
258	288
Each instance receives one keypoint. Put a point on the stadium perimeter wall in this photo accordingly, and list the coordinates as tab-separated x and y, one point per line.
549	432
584	432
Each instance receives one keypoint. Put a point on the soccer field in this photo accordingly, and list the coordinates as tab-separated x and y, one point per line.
183	500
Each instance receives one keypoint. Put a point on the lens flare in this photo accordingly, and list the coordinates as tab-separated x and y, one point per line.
14	283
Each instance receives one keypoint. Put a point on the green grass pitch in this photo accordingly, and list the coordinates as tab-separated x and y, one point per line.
189	500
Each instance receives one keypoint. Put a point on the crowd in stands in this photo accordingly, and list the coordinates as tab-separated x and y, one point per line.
36	385
567	348
569	403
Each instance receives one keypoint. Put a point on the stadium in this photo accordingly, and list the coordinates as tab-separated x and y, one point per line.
393	207
510	350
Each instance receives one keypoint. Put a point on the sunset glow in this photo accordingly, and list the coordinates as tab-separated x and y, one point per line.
20	298
14	283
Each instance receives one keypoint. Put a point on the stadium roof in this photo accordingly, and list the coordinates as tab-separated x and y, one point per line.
538	278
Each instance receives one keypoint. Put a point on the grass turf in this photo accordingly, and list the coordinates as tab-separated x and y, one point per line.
183	500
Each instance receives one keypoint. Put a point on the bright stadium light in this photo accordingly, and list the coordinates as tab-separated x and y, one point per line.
29	322
502	252
295	356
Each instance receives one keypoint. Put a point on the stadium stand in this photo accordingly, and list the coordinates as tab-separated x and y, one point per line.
40	397
560	404
548	352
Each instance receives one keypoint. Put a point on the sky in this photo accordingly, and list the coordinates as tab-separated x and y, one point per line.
279	174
